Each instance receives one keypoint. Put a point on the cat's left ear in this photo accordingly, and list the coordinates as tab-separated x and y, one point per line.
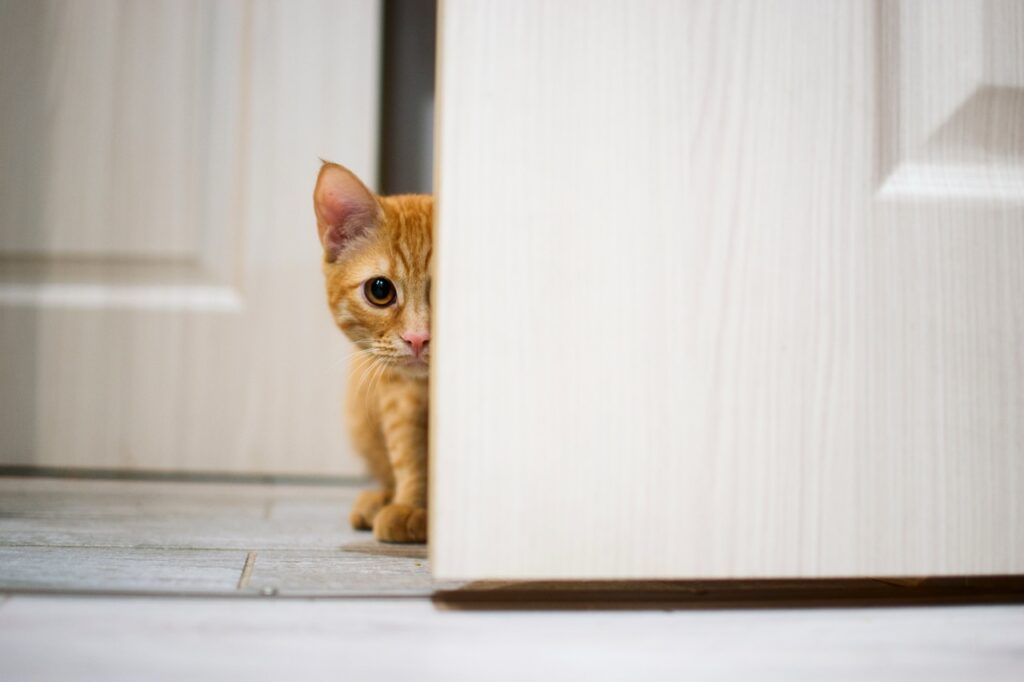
345	208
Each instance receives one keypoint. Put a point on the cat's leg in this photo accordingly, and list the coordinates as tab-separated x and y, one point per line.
369	442
367	505
404	425
369	502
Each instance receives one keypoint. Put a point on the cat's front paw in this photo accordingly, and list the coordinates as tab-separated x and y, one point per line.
400	523
366	507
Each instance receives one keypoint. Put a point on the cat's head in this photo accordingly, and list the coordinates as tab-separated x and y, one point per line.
377	268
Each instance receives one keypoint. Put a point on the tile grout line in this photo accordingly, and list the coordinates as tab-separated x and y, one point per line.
243	580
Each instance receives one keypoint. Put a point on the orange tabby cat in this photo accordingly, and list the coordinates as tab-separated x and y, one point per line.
377	266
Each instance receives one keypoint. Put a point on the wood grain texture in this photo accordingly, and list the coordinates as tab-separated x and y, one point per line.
161	301
685	330
950	119
104	108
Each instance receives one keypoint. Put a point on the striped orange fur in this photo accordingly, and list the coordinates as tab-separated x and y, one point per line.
367	238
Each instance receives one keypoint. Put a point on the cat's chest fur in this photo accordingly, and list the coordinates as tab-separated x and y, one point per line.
382	410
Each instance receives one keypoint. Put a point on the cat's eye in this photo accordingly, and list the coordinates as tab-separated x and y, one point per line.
379	291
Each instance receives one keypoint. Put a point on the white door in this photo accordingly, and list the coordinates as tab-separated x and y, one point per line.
729	289
161	302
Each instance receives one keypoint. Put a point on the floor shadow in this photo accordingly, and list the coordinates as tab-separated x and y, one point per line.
374	548
727	594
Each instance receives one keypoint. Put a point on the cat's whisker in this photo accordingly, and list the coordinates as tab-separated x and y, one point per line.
366	372
358	353
371	380
374	380
359	363
377	370
384	368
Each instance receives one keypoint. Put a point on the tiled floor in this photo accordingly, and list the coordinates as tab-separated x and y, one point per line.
195	538
109	580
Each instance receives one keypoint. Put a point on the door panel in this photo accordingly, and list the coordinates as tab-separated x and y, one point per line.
78	76
951	84
160	293
729	289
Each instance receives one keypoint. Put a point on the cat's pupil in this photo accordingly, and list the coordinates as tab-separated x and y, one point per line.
381	288
380	291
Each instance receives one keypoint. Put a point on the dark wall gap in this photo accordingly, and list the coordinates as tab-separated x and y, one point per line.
407	97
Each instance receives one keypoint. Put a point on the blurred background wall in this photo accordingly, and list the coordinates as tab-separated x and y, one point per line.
161	302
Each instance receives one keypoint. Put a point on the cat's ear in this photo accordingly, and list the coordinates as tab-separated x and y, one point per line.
345	208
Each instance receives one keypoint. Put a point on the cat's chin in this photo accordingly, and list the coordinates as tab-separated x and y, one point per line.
413	368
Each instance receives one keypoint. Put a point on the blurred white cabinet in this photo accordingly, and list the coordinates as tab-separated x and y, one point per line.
729	289
161	301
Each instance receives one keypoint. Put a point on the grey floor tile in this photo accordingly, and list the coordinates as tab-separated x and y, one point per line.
174	537
84	569
342	573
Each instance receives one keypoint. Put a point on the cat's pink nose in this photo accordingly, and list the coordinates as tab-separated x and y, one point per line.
417	341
